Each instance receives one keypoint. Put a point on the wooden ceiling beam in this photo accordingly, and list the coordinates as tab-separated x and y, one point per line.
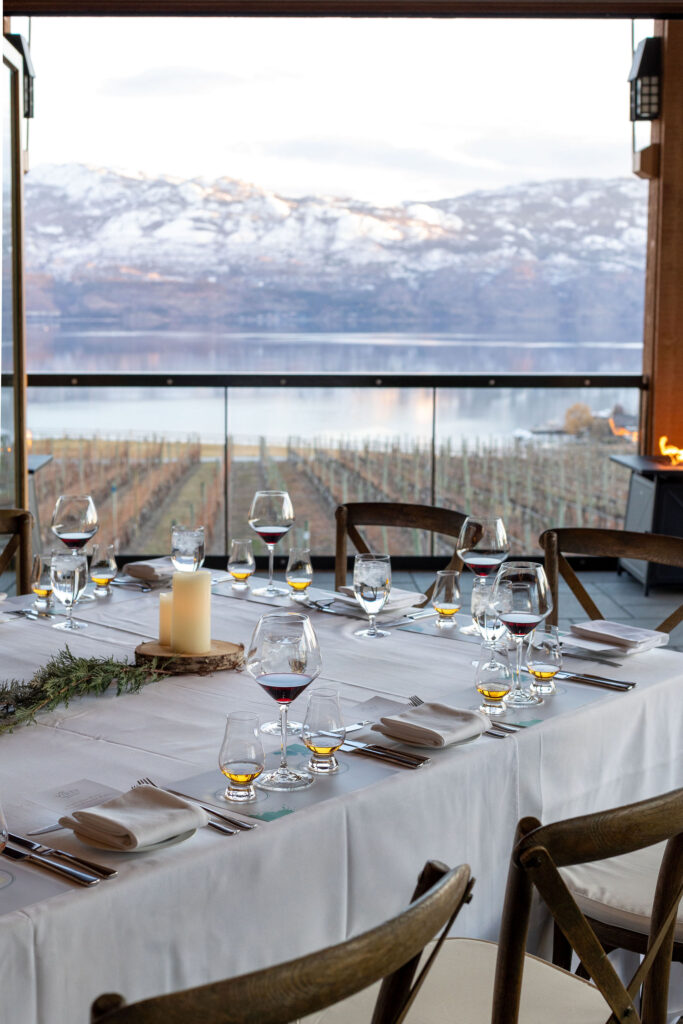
350	8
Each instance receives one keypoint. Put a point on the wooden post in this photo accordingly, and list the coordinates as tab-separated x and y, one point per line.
664	273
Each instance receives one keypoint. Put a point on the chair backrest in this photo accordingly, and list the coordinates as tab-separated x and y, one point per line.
17	523
391	514
539	852
281	994
650	547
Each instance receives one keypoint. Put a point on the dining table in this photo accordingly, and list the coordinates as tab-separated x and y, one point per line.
321	864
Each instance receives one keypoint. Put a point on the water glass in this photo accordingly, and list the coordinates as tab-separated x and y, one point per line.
446	597
241	563
323	731
371	585
544	660
493	678
484	614
299	573
41	584
187	548
69	574
241	758
103	568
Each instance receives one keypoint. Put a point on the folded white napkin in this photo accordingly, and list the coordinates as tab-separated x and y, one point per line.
630	639
142	817
433	725
153	569
398	600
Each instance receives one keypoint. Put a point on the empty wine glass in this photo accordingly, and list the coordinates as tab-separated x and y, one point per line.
522	603
371	585
74	520
482	545
493	678
271	516
323	731
69	575
446	597
187	548
41	583
544	660
284	658
241	563
241	758
299	573
103	568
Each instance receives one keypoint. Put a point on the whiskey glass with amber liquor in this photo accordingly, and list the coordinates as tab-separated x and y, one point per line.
103	568
41	584
241	758
446	597
544	660
299	573
493	678
323	731
241	563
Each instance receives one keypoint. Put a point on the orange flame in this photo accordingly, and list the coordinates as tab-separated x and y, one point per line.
29	440
674	453
632	435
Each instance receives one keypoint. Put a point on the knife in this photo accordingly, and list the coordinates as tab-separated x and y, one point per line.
48	851
59	869
405	619
398	757
586	680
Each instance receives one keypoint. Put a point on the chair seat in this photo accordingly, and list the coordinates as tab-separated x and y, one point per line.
460	988
619	891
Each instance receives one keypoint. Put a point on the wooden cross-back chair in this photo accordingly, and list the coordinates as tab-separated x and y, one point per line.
649	547
357	514
281	994
17	523
478	982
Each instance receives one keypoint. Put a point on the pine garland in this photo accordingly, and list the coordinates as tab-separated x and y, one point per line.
65	677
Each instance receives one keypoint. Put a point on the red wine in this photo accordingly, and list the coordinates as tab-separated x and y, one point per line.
284	687
520	623
481	563
75	540
271	534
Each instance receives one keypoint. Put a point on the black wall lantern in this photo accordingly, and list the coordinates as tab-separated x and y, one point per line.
645	79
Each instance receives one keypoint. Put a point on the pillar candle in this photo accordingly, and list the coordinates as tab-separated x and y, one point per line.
191	615
165	612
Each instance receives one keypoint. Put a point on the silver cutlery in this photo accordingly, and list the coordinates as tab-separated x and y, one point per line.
415	700
49	851
246	826
423	614
82	877
144	587
591	680
389	754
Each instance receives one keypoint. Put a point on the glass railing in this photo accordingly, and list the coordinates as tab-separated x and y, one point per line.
154	450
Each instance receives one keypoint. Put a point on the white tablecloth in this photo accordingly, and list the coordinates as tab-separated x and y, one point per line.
216	906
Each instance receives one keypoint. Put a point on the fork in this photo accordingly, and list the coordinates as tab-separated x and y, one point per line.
235	822
217	825
415	700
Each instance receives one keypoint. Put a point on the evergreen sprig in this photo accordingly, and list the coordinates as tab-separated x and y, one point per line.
65	677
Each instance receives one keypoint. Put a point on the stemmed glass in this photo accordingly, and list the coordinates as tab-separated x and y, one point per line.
371	585
544	660
103	568
271	516
69	575
482	545
41	584
323	731
187	548
241	758
493	678
522	598
74	520
241	564
284	658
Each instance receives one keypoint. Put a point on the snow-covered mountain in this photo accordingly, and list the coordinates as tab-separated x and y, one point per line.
561	257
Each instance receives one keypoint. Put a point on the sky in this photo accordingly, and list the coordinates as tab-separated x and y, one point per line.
381	110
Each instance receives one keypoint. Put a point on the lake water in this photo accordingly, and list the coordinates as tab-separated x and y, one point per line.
327	414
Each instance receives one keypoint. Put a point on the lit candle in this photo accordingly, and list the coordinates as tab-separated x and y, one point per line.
165	613
191	615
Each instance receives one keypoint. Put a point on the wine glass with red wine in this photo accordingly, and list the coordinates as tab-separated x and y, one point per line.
271	516
483	546
521	597
284	658
74	520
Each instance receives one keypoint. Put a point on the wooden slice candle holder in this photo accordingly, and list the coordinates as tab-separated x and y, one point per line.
223	655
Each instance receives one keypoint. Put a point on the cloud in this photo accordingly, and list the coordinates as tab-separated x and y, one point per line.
172	81
362	153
